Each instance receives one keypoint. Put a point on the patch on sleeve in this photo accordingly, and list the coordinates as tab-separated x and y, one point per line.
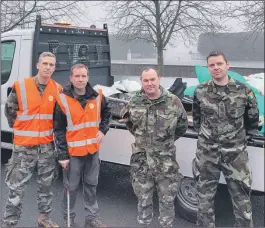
250	95
176	100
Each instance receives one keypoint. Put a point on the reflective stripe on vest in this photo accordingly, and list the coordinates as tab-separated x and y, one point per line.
82	142
33	133
24	116
82	125
37	116
23	97
72	127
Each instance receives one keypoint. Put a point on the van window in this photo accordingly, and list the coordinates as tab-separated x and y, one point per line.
7	55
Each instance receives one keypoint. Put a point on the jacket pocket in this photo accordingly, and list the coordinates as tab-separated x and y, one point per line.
137	115
207	110
235	111
164	120
138	119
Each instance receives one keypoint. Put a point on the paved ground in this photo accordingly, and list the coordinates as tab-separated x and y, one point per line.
118	203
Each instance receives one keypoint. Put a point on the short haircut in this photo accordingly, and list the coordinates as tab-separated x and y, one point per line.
78	65
46	54
216	53
145	69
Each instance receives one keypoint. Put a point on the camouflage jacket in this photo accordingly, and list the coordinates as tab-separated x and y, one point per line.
225	117
11	106
60	121
156	124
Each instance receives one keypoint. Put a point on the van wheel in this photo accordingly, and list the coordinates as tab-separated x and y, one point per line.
187	200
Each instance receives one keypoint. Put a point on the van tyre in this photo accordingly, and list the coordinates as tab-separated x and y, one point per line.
186	202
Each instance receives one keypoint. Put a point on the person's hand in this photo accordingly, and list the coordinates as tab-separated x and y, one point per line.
261	120
100	136
64	163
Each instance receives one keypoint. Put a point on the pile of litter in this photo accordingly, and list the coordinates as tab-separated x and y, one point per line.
257	81
123	90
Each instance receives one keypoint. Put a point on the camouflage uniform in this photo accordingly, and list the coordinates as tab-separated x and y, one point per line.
224	116
21	167
156	125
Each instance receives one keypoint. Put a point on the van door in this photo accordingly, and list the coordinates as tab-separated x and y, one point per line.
10	59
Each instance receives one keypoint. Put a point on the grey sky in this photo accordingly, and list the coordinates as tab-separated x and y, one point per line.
96	14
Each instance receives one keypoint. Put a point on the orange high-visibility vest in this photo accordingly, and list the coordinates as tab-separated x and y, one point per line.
82	124
34	122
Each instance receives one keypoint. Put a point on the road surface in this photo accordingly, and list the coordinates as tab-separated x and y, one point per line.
118	203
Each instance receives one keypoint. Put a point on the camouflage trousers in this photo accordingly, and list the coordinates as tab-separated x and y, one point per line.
144	182
238	178
20	168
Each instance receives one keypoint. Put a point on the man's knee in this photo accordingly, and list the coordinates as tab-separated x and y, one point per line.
74	173
91	173
15	178
143	188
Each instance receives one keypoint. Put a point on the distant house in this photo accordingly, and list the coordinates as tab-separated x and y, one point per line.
139	49
239	46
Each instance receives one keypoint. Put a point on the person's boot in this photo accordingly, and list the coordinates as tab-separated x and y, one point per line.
166	224
143	224
72	222
4	224
95	223
45	221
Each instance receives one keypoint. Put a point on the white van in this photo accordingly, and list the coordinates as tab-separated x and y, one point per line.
20	50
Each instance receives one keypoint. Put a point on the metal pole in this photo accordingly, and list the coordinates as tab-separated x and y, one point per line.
67	186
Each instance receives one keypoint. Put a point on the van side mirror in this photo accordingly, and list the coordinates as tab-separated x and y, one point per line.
9	89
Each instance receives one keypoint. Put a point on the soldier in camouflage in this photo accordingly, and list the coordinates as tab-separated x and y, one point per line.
157	119
24	159
225	114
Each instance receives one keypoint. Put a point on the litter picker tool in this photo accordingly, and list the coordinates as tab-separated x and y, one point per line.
67	186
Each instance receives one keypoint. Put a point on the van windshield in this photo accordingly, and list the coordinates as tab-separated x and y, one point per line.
7	56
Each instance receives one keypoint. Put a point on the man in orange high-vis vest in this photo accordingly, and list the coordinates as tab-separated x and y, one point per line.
29	111
81	119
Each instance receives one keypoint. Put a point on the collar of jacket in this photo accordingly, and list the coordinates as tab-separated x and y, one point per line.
37	83
232	86
90	92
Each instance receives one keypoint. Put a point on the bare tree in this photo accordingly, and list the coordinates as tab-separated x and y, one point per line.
21	14
250	14
159	22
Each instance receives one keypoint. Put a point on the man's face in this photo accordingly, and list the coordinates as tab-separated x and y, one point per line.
150	82
46	67
79	78
218	67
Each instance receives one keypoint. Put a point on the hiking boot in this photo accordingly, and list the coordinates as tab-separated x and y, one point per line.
72	222
143	223
45	221
4	224
95	223
166	225
146	225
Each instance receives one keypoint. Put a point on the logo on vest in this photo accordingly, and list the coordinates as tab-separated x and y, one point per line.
91	106
50	98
